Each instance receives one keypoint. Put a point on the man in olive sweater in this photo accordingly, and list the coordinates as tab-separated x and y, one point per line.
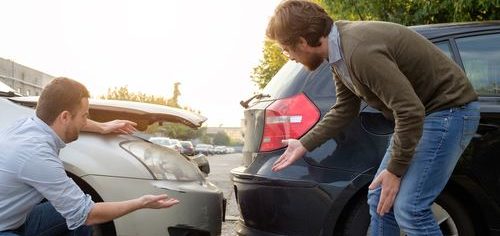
408	79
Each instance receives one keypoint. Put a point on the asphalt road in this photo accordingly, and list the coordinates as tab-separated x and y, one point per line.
220	165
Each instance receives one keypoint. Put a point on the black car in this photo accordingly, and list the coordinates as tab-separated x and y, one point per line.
325	192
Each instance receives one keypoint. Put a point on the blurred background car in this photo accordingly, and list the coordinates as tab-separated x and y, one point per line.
177	145
116	167
188	148
167	142
206	149
324	193
220	149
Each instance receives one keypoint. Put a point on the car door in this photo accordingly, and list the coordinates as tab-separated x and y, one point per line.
479	54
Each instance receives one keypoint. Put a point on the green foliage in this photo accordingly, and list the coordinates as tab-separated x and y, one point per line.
172	102
405	12
122	93
414	12
177	131
221	138
269	65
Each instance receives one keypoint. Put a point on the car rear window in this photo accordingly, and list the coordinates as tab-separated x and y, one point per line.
293	78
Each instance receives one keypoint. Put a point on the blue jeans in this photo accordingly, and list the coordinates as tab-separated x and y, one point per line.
445	136
44	220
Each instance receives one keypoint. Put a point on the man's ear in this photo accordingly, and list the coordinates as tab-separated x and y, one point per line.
64	117
302	43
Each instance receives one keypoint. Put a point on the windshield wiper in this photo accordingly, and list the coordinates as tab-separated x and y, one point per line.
142	136
244	104
9	94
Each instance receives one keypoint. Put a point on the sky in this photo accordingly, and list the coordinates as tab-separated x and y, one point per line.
210	47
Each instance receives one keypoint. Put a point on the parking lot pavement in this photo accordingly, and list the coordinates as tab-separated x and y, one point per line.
220	165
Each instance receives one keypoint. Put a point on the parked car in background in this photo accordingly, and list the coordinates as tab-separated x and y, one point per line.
187	148
325	192
167	142
177	145
230	150
202	162
206	149
220	149
115	167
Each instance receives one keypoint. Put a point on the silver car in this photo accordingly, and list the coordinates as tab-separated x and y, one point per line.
121	167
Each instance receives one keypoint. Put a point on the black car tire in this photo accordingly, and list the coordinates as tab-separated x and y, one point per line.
458	213
357	221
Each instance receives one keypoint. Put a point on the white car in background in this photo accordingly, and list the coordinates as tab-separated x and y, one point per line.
220	149
202	148
167	142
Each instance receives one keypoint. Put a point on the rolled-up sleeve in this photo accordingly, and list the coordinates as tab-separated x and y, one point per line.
46	174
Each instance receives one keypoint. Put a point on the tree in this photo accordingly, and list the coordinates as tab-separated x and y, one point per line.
177	131
269	65
221	138
176	94
404	12
414	12
122	93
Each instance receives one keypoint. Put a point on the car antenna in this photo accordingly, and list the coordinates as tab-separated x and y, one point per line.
244	104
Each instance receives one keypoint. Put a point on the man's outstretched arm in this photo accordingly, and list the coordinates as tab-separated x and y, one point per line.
107	211
114	126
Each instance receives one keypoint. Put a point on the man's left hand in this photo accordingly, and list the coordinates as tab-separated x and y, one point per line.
118	126
390	188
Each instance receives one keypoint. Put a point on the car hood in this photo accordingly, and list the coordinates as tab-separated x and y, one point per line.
143	114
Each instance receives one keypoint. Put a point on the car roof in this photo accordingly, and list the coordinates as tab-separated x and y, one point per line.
143	114
447	29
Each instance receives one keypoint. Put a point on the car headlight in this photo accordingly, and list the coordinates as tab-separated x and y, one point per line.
163	163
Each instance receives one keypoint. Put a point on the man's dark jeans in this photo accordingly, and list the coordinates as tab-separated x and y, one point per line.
44	220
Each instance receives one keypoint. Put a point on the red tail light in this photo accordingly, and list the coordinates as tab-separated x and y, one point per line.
288	118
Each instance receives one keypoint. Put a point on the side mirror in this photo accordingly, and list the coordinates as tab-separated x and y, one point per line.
201	161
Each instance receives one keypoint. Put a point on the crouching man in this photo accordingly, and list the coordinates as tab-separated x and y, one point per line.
30	169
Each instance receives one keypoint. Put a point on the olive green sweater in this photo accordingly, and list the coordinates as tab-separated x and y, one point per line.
398	72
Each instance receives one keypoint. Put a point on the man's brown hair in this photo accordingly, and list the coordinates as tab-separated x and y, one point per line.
61	94
293	19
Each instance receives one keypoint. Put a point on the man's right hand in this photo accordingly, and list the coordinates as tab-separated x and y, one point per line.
107	211
294	151
158	201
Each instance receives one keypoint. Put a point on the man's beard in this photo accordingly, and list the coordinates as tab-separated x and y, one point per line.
313	62
71	135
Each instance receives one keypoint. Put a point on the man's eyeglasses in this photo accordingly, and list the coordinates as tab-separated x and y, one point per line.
285	51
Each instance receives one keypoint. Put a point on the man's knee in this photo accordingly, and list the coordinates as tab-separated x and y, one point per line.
411	216
403	211
373	199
